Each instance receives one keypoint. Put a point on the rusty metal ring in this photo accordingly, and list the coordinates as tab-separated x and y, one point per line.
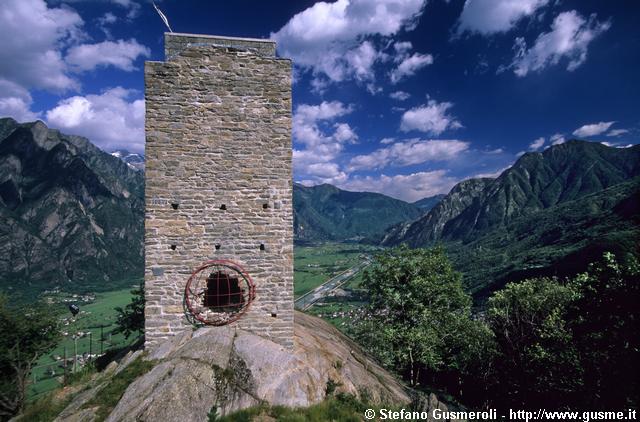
222	296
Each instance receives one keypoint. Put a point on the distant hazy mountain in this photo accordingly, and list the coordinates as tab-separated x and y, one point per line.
325	212
69	212
135	161
556	203
425	204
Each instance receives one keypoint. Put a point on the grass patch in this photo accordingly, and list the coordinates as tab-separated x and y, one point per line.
101	312
83	375
342	407
49	406
44	409
109	395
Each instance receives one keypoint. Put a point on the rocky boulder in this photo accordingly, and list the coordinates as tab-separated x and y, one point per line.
228	369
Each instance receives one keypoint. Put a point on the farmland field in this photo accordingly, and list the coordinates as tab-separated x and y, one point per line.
313	265
94	318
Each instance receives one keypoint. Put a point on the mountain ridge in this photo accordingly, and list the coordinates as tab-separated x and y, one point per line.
429	202
548	214
536	181
327	213
135	161
71	212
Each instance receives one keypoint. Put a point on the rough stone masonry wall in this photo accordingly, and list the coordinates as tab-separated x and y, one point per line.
218	131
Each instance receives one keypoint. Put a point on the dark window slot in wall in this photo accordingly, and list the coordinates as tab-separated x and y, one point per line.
223	293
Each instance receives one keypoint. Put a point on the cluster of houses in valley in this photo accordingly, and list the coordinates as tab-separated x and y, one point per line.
349	314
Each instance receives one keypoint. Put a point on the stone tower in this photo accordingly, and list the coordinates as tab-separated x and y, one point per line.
218	187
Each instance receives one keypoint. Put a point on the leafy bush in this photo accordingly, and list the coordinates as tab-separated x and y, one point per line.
131	318
26	332
572	343
605	321
541	342
419	317
537	361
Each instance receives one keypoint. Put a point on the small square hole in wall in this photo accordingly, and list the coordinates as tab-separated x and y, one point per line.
175	205
274	315
223	207
265	206
262	247
217	246
173	247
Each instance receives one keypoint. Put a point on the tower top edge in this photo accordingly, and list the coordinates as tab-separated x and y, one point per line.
217	37
175	43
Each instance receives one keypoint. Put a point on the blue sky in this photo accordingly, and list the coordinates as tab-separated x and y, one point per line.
402	97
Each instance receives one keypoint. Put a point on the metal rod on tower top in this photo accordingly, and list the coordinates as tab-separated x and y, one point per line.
162	16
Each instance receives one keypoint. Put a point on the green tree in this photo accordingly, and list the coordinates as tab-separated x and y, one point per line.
605	321
419	317
131	319
537	361
26	332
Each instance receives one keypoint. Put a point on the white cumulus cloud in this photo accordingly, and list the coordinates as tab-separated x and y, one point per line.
120	54
42	48
361	60
32	36
107	18
431	118
15	101
322	139
409	187
327	38
491	16
617	132
592	129
306	119
409	66
133	8
111	120
557	139
537	144
399	95
568	39
105	21
405	153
